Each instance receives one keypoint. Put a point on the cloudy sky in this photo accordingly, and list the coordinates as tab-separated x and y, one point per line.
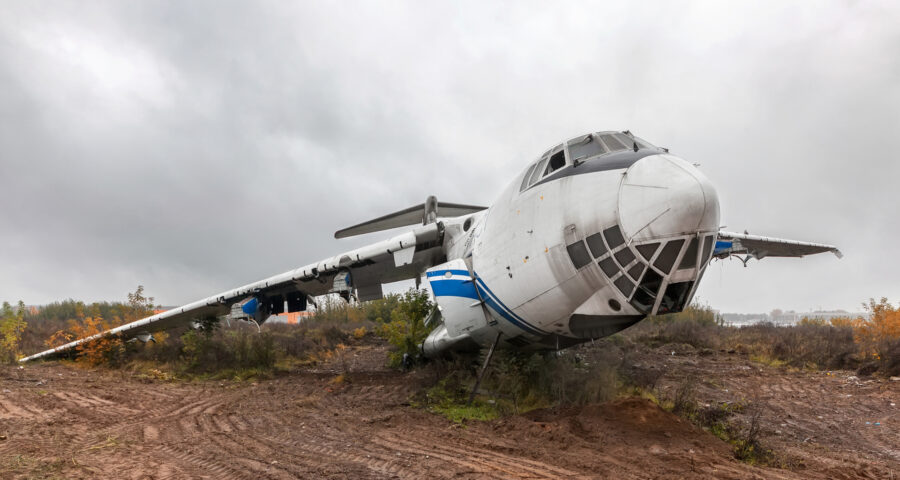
195	146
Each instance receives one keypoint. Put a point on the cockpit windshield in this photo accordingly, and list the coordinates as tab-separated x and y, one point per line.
579	150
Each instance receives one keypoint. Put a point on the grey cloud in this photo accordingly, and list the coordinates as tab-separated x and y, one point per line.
196	146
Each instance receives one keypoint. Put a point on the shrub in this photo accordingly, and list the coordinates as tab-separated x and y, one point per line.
407	330
698	326
236	349
12	325
103	350
520	381
806	345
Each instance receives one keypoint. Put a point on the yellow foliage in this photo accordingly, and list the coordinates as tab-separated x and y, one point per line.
61	337
101	349
12	324
843	322
359	332
883	325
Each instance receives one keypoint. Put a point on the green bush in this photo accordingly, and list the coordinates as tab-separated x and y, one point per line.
407	330
518	382
238	349
12	325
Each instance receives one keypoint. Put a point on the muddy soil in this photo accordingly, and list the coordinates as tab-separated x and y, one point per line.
59	421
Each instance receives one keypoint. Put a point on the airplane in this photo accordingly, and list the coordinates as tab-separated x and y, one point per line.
594	235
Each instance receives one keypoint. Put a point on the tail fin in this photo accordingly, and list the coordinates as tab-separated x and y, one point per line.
424	213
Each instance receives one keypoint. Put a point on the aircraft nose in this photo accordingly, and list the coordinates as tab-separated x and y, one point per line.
663	195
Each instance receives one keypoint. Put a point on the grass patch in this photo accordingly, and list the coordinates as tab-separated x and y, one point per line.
452	403
32	467
765	359
517	382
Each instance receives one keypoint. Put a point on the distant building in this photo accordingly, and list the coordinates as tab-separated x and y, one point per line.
785	318
290	318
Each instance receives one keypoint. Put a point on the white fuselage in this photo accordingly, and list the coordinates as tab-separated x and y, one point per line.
585	252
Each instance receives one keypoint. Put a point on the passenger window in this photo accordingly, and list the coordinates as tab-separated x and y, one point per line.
586	147
557	161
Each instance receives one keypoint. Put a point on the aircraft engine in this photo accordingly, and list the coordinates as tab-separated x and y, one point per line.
251	309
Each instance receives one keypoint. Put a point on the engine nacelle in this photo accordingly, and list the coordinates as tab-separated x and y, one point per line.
251	309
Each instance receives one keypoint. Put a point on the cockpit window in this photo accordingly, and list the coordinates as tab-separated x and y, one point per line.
557	161
527	177
613	143
643	143
585	147
536	174
578	150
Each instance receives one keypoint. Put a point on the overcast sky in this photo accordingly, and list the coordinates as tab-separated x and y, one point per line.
196	146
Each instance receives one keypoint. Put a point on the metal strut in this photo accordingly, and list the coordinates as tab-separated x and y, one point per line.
484	368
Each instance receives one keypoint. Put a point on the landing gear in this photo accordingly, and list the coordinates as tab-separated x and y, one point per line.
487	361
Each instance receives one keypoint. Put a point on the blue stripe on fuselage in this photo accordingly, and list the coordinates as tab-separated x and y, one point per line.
466	289
454	288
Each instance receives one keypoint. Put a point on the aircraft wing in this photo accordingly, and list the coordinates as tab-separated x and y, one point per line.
361	271
758	247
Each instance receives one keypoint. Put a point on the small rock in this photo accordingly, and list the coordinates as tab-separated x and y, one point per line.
895	379
657	450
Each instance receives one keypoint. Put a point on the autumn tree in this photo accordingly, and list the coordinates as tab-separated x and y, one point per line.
877	333
12	324
89	321
139	305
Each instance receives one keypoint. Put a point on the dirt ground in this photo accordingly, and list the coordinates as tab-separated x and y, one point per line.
58	421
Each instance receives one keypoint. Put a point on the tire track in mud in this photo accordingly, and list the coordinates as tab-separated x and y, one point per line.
808	412
491	462
304	425
322	450
9	410
464	459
